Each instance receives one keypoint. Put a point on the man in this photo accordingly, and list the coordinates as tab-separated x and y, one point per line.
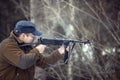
18	63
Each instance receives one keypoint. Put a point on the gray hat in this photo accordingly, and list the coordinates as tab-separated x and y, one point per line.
24	26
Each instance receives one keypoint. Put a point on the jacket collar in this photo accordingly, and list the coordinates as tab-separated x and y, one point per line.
12	35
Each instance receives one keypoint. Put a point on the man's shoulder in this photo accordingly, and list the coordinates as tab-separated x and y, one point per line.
7	42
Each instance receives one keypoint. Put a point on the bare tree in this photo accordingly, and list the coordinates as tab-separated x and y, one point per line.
82	19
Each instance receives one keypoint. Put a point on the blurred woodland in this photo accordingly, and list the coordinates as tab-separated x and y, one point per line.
96	20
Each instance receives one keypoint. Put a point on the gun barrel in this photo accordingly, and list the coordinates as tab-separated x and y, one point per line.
47	41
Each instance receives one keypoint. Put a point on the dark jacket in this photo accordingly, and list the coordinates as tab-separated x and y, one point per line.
19	64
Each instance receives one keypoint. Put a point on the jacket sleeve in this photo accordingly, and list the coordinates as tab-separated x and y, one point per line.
45	61
15	56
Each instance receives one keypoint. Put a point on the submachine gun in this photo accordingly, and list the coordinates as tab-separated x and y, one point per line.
58	41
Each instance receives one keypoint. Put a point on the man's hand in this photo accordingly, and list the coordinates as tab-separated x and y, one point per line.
40	48
62	49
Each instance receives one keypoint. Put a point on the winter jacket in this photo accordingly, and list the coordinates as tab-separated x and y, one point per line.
18	63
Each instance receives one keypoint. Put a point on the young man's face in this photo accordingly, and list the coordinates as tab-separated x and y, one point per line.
28	38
